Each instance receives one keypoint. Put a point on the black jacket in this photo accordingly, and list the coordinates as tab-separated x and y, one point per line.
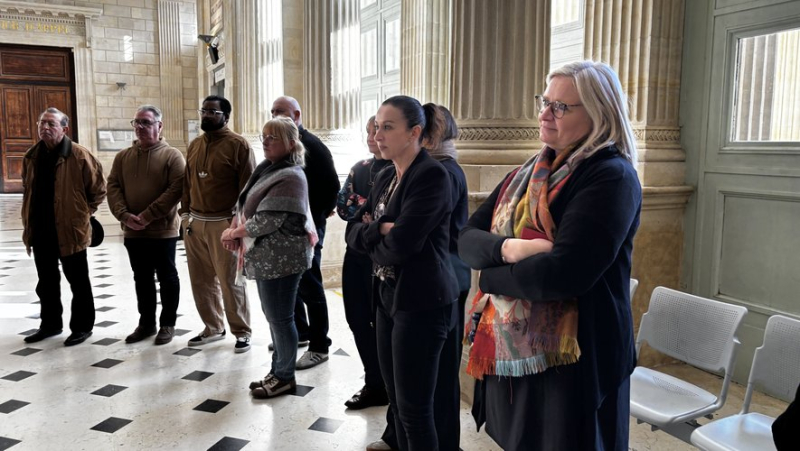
596	216
418	244
323	183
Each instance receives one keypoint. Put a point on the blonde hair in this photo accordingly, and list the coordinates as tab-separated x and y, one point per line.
285	130
606	104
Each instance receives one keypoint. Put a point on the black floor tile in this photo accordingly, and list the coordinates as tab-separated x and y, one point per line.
104	285
109	390
198	376
105	323
100	268
12	405
104	309
341	352
6	443
26	352
18	376
104	296
29	332
229	444
34	316
188	351
111	425
181	332
102	276
101	261
326	425
106	341
107	363
302	390
211	406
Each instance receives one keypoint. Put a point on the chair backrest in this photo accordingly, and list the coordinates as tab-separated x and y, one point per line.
634	285
696	330
776	364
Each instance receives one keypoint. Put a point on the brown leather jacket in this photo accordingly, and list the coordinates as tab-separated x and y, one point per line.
76	167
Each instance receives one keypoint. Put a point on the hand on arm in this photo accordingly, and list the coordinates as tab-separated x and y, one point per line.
135	222
515	250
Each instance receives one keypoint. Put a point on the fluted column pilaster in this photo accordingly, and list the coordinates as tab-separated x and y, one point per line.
253	61
500	60
643	41
171	72
332	88
426	42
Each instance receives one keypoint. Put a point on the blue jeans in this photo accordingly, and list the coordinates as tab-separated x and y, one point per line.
418	360
277	302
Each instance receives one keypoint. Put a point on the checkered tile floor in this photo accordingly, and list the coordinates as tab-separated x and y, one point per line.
105	394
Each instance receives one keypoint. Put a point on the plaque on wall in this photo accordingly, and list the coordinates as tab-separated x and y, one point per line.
114	140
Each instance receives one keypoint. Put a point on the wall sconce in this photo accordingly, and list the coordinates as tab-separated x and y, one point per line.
121	85
212	42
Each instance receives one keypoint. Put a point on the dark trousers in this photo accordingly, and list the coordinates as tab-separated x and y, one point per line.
76	270
311	296
151	256
419	362
357	293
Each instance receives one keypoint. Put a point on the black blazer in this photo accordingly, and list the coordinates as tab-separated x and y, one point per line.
418	244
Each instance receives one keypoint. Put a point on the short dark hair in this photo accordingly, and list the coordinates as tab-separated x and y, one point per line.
224	104
64	121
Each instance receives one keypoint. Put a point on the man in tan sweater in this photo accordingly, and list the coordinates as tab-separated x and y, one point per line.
144	188
218	165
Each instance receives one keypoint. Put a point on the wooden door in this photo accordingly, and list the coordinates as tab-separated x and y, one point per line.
32	79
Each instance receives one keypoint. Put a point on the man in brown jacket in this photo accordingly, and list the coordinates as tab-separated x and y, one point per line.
144	188
218	165
63	184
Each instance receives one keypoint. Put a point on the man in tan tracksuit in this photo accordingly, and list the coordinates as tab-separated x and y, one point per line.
144	188
218	165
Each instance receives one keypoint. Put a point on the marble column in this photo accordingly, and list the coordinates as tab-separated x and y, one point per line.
171	72
332	98
643	41
500	60
253	45
426	43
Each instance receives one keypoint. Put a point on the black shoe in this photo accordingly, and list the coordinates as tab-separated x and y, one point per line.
367	397
41	334
140	334
77	338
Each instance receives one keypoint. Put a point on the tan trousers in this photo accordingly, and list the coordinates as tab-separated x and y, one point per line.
213	269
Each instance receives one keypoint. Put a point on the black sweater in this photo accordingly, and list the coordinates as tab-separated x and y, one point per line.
323	183
596	216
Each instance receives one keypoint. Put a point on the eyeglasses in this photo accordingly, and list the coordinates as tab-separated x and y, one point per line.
266	139
204	111
558	108
142	123
48	124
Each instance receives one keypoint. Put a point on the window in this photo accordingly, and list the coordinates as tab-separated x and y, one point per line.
767	88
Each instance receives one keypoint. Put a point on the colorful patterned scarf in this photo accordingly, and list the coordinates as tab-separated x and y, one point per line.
516	337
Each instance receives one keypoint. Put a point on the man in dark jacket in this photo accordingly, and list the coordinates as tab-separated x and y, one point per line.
323	186
63	184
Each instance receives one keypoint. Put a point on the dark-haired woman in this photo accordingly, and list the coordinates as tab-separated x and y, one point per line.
404	229
357	277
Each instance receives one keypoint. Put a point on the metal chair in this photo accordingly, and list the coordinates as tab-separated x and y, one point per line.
695	330
776	370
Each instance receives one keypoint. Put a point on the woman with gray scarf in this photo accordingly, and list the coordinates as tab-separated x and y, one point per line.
274	236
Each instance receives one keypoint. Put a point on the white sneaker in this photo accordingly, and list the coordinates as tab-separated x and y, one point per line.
311	359
203	339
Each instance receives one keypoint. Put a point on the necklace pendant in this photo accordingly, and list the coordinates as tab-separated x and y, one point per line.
202	174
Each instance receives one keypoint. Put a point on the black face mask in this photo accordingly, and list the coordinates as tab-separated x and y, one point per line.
212	124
